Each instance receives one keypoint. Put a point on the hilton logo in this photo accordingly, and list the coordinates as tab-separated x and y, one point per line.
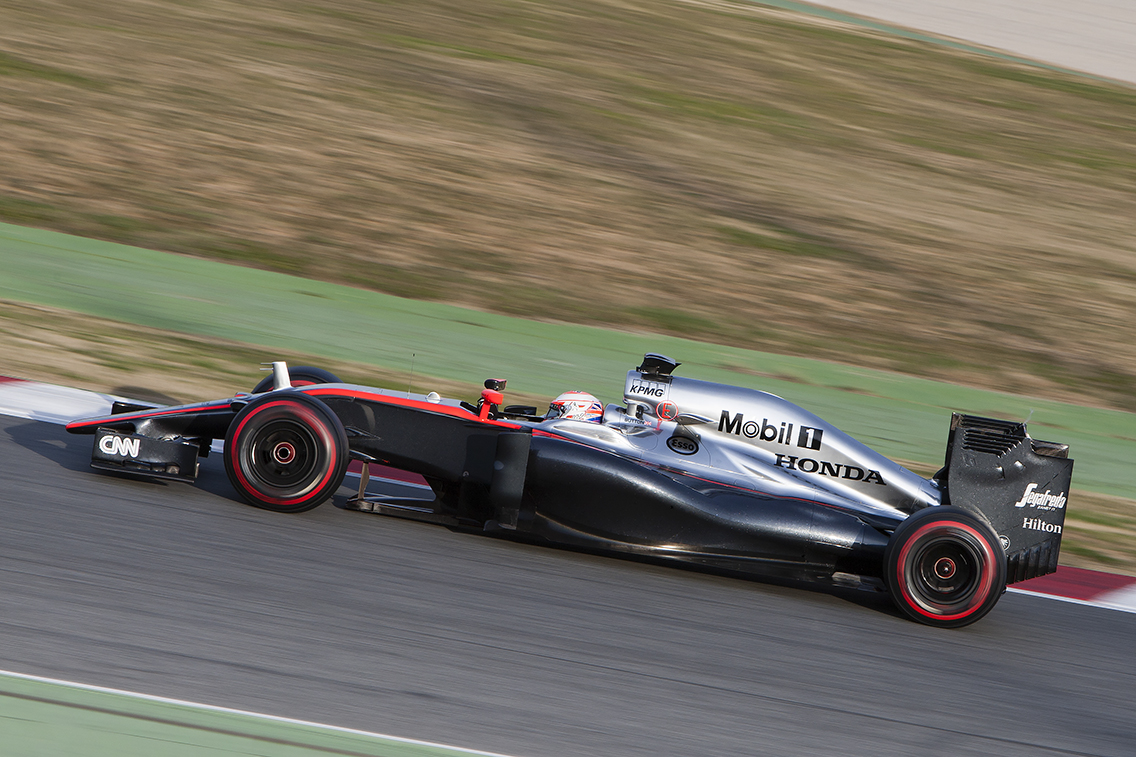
1037	524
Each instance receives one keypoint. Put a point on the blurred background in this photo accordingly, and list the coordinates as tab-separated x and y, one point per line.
723	171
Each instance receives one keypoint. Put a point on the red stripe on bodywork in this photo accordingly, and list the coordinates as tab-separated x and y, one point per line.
322	390
6	379
188	409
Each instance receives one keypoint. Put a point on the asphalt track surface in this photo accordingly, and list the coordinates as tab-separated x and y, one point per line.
385	625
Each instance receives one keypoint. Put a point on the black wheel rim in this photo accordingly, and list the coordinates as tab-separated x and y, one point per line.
283	457
945	571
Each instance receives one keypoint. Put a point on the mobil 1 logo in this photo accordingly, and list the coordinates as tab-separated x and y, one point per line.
806	437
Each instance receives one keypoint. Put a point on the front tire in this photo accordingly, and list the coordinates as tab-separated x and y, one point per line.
286	452
945	567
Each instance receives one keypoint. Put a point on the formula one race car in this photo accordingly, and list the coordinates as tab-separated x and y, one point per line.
687	470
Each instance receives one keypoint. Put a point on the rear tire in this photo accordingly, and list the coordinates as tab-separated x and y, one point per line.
945	567
301	375
286	452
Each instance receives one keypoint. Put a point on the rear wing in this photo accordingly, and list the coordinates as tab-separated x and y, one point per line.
1018	484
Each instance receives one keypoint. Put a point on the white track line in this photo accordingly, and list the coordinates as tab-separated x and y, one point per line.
246	713
1122	607
50	403
1120	599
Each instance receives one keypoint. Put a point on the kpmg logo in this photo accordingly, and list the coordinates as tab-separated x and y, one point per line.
1041	501
642	388
119	446
807	436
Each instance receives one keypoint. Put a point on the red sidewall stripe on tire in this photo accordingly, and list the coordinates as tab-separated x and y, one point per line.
235	457
987	573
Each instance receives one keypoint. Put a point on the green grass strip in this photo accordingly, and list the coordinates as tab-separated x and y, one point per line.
898	415
41	716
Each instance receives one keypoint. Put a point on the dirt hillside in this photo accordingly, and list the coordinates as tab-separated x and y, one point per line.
712	169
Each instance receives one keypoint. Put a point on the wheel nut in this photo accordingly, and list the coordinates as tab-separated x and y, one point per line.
284	453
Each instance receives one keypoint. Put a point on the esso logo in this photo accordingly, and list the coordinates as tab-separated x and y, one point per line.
119	446
682	445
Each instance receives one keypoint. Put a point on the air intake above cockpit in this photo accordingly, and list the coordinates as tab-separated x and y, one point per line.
656	366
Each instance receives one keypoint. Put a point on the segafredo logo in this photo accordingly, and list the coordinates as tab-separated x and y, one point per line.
648	388
1041	501
1037	524
835	470
119	446
807	436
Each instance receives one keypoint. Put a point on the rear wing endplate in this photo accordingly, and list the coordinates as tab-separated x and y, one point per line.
1018	484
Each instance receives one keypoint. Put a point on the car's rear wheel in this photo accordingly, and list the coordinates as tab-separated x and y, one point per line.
286	452
301	375
945	567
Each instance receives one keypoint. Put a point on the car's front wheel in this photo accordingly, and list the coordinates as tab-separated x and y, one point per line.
286	451
945	567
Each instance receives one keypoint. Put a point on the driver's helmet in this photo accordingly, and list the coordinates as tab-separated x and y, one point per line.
577	406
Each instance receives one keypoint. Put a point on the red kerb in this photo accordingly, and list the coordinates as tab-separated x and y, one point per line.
1076	583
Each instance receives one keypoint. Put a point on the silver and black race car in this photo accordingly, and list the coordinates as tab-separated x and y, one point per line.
687	470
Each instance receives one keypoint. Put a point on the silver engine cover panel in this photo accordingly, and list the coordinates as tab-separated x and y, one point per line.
753	440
